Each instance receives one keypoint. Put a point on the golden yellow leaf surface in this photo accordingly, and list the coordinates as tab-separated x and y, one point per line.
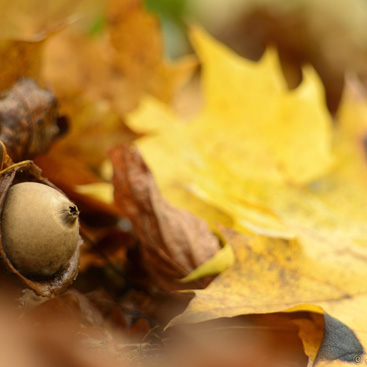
272	275
225	163
19	59
267	162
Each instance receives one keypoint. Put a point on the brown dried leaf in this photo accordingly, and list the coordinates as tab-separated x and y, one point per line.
173	242
28	120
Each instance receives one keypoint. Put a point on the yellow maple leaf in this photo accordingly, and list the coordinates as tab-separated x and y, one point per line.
267	162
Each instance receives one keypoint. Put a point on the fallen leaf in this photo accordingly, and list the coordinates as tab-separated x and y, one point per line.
272	275
277	136
172	241
174	145
283	175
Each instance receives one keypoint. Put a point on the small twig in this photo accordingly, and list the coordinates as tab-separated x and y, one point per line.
15	165
149	333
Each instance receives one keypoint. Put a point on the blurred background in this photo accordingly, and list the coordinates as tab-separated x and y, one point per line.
330	34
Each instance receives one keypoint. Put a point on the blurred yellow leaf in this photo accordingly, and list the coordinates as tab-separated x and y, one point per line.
261	119
269	161
102	191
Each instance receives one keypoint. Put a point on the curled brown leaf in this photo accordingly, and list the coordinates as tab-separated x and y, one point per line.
173	242
28	120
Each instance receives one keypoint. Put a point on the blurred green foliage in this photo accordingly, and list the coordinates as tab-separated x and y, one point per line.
174	9
98	26
172	14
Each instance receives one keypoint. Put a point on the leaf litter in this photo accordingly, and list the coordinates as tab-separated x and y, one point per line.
260	170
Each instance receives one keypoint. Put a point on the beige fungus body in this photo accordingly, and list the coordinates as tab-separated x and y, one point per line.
39	229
